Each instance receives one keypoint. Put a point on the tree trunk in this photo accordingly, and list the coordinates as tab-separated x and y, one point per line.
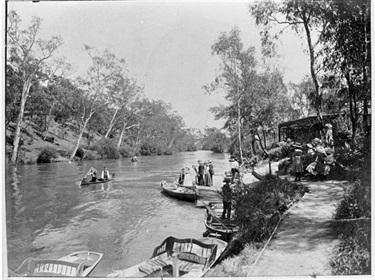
79	139
48	121
121	136
111	124
239	129
312	66
17	133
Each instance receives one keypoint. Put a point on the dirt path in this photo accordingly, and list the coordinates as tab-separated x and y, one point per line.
304	241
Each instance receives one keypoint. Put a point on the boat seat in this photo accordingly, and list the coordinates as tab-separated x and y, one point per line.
53	268
153	265
186	266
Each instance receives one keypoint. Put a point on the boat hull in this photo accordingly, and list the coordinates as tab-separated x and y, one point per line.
98	181
179	192
78	264
215	226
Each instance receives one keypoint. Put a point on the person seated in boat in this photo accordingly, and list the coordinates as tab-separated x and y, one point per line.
105	174
181	178
93	175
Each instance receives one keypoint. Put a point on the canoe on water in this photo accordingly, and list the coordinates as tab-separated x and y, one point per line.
78	264
175	257
180	192
85	182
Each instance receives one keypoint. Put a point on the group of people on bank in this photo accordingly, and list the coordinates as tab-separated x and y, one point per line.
318	156
204	173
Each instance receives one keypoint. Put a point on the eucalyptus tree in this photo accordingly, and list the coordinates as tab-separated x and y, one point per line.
237	72
123	91
30	56
303	17
95	86
348	56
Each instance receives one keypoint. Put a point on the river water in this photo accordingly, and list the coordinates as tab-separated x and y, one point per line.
48	215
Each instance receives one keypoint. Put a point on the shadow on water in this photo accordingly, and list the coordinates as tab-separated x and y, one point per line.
49	215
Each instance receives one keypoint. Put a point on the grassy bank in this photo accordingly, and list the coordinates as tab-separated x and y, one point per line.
258	210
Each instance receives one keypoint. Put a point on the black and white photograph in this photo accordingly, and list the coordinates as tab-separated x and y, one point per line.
215	139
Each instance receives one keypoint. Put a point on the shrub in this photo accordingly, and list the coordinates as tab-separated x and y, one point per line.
107	148
47	155
126	151
80	153
89	155
256	206
354	251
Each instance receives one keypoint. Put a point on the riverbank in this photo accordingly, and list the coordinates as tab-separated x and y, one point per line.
61	139
302	243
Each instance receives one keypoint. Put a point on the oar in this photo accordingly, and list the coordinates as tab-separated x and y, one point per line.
213	214
88	172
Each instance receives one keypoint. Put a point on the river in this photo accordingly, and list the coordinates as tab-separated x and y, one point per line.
48	215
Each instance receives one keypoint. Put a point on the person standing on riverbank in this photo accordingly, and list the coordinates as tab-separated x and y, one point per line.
211	170
200	173
234	166
227	199
297	165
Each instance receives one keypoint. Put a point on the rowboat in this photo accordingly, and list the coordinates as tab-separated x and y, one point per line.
190	258
85	182
180	192
215	226
78	264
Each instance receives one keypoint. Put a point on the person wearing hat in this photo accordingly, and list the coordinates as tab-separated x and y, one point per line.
234	166
227	199
297	165
93	175
181	178
207	176
200	173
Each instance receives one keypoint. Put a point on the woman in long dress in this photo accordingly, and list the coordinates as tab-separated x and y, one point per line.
207	175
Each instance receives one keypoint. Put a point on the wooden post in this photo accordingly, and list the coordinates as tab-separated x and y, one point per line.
176	270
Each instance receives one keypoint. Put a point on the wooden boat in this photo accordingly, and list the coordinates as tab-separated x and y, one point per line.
180	192
215	226
86	182
78	264
174	257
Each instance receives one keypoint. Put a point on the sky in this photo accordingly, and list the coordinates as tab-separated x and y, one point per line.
166	44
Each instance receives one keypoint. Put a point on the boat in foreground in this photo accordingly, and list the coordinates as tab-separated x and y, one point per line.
175	257
180	192
85	182
78	264
215	226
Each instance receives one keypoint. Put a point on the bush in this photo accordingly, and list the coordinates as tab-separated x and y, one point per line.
256	206
47	155
89	155
106	148
80	153
126	151
354	251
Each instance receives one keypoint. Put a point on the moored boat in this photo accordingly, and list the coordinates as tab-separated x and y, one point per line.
215	226
85	182
180	192
178	258
78	264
